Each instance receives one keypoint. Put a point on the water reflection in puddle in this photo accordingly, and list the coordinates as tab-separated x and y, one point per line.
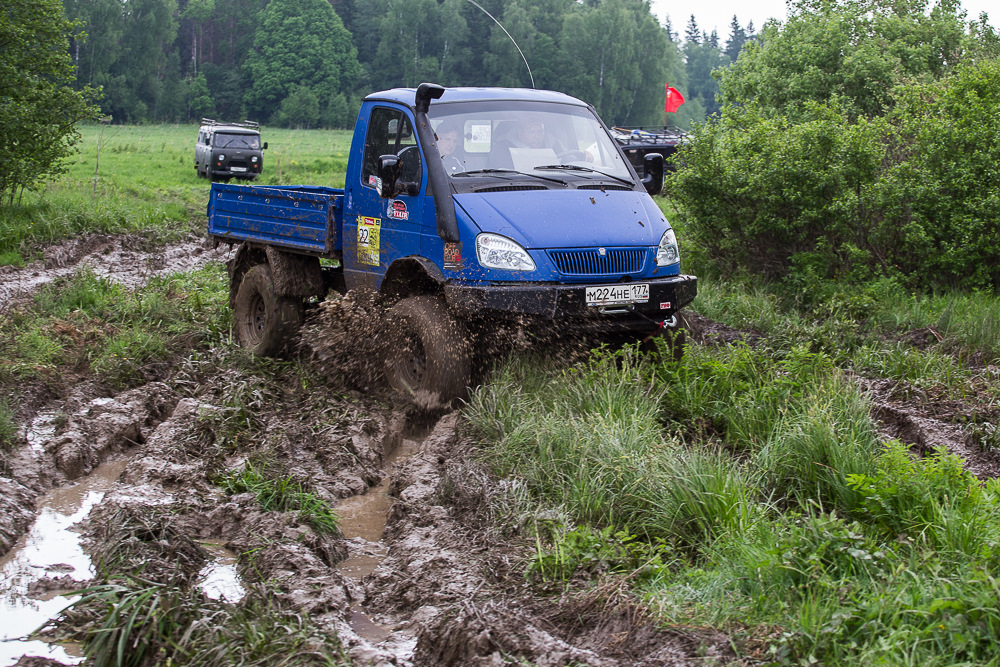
219	579
50	549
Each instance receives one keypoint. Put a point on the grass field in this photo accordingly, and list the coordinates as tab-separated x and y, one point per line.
128	178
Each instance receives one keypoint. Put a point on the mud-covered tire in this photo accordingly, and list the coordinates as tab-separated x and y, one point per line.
428	358
264	322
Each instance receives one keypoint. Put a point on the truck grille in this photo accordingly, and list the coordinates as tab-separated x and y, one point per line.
590	262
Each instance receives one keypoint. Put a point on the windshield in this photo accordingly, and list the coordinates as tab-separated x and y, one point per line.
237	140
529	137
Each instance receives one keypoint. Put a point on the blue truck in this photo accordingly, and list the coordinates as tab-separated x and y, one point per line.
465	209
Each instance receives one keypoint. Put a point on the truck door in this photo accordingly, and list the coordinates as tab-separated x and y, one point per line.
376	230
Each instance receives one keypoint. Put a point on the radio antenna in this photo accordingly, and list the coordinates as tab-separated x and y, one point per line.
511	39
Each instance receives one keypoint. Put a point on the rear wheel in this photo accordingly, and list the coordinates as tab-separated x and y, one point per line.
264	322
429	361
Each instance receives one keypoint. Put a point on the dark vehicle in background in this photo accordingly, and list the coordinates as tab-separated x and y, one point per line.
229	150
638	142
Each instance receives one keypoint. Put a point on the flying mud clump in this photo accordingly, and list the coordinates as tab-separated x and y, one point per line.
346	336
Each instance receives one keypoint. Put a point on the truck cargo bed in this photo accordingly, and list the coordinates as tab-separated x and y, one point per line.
301	217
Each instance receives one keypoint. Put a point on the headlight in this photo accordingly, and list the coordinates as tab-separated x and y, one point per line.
254	159
222	157
499	252
668	253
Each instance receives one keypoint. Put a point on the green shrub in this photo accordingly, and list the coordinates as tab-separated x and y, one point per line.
819	193
933	500
585	551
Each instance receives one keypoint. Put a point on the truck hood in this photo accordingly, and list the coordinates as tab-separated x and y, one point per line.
543	219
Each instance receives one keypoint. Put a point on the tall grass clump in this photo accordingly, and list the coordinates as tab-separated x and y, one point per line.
812	452
138	623
589	438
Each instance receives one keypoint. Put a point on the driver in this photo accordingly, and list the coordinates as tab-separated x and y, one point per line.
529	134
447	140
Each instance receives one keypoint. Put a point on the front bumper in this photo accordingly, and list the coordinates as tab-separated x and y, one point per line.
559	301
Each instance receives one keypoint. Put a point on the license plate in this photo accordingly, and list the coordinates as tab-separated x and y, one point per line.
237	169
613	295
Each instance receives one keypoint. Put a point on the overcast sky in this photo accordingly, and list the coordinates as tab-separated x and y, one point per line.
718	14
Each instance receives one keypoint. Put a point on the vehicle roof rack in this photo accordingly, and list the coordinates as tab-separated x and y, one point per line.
249	124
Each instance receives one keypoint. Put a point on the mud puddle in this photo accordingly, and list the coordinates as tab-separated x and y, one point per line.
219	579
362	521
46	562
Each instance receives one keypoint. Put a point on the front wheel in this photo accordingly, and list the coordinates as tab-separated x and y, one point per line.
429	361
264	321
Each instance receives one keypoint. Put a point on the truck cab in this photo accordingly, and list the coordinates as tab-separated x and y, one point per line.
466	209
229	150
538	213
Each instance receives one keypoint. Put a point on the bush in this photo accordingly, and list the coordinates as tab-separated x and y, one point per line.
818	194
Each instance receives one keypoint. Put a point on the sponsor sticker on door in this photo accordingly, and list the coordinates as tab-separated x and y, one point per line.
368	240
397	210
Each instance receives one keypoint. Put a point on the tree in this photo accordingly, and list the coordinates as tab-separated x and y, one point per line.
737	38
617	57
855	50
299	43
38	105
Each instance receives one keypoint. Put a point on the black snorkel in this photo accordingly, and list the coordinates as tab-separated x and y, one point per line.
444	206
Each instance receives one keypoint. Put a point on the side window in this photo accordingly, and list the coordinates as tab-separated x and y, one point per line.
391	132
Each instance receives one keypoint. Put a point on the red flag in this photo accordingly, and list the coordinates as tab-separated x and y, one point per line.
673	99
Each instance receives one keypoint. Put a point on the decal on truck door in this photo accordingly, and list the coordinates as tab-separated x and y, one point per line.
368	240
397	210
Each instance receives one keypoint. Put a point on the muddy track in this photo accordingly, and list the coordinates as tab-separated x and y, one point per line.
412	578
130	260
416	574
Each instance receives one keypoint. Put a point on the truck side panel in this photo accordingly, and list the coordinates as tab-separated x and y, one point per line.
303	218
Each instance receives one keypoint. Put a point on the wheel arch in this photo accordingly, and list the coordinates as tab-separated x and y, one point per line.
410	276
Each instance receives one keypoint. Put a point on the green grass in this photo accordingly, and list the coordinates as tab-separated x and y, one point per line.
139	623
8	424
129	178
282	494
88	323
747	489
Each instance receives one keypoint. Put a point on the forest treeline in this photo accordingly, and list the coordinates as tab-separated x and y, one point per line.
308	63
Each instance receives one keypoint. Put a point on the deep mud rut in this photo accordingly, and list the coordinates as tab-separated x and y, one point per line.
417	573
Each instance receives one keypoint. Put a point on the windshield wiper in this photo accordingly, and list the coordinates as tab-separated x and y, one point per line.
476	172
576	167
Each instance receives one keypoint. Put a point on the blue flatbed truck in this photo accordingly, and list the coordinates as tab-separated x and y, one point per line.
508	206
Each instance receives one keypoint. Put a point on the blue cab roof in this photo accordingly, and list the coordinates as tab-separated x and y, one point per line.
466	94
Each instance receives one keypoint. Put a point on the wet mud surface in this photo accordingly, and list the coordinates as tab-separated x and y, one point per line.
410	578
129	260
415	573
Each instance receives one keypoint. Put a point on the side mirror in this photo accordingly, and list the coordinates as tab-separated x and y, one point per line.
652	178
388	172
264	147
